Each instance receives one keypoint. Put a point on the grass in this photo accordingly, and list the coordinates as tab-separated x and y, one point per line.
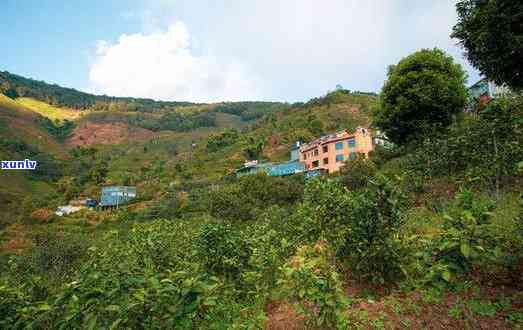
49	111
11	104
17	122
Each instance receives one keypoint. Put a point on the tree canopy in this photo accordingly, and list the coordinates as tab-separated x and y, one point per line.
491	32
422	91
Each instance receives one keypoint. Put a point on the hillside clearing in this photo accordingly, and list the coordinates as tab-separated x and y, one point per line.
49	111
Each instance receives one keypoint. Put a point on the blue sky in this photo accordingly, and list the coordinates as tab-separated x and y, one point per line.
208	51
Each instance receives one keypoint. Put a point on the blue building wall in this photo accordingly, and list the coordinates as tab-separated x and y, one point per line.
116	195
288	168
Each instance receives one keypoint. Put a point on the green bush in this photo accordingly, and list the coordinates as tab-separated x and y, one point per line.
356	174
497	132
231	204
222	140
154	301
310	281
324	213
222	250
271	245
463	241
57	129
12	302
248	197
373	244
57	255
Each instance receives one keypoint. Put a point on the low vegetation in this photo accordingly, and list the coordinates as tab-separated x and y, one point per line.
427	233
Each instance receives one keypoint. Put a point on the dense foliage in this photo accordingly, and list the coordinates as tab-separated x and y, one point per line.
491	33
222	140
59	130
422	93
480	151
252	194
172	121
249	110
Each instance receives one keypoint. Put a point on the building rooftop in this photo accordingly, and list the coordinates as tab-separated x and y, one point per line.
115	195
328	138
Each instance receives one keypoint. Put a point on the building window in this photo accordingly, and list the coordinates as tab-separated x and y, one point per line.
352	156
339	158
325	161
315	163
304	156
338	145
325	148
352	143
316	152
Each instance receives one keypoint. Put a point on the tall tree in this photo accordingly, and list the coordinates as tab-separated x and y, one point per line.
491	32
422	92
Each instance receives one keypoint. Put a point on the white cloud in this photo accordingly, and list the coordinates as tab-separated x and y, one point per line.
161	65
289	50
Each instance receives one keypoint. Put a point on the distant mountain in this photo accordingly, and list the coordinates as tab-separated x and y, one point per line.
13	86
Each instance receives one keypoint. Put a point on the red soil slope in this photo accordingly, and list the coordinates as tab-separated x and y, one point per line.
90	133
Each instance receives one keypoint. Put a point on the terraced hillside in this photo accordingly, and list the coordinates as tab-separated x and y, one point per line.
153	147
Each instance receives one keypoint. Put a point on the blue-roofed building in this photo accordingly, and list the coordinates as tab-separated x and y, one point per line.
116	195
252	167
288	168
291	167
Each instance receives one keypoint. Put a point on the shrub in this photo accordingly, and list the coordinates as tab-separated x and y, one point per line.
245	199
12	302
381	155
57	254
231	204
222	250
169	207
356	174
463	241
497	133
311	282
57	129
156	301
222	140
323	215
271	244
373	246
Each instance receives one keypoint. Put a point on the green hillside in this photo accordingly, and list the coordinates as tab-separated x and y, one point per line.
272	125
420	233
403	210
22	135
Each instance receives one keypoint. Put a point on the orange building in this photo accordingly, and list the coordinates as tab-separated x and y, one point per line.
330	151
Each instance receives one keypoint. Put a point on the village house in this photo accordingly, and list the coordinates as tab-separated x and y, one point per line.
328	153
114	196
483	91
321	156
